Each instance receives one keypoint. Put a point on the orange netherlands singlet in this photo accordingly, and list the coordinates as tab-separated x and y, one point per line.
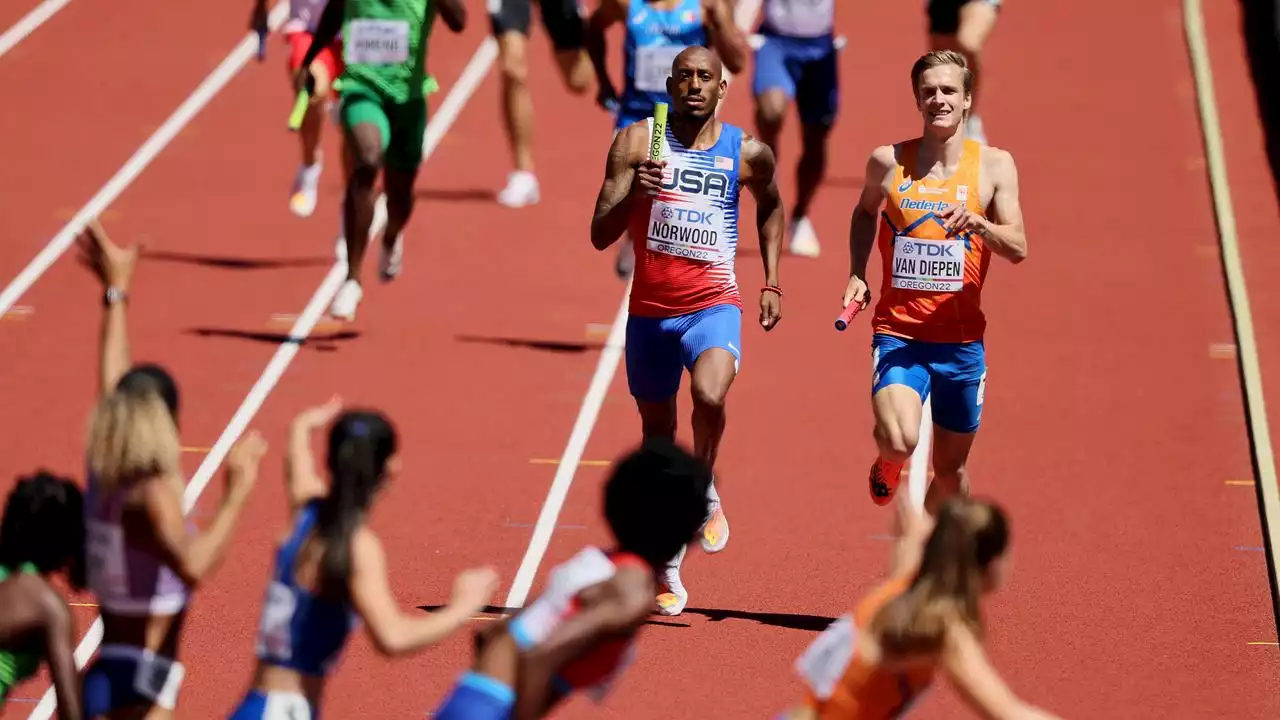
931	287
841	685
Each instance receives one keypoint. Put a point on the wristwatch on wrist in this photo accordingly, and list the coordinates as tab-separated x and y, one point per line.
114	295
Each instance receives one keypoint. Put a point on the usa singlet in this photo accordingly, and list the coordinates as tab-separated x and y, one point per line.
932	284
690	230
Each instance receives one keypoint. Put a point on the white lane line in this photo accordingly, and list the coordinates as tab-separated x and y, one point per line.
129	172
29	23
918	468
459	94
578	437
744	15
1247	355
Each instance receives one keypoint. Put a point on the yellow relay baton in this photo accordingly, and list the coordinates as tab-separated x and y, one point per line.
299	110
659	131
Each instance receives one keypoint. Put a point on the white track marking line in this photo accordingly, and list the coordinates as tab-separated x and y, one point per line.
29	23
1250	367
452	105
590	410
918	468
744	15
134	166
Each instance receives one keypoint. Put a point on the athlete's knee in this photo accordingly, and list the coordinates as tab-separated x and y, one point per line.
895	439
575	68
366	155
513	63
709	393
771	109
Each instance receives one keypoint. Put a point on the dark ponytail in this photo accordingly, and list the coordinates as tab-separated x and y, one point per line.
360	444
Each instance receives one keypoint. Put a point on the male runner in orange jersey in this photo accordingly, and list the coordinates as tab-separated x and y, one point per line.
952	202
964	26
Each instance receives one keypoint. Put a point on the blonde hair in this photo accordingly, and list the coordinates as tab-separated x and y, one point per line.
938	58
132	436
968	536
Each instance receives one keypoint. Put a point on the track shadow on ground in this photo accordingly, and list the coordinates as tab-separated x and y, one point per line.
235	263
457	194
556	346
791	621
498	612
324	342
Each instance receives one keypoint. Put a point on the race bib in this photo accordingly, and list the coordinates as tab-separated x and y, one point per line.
653	66
104	550
825	661
377	42
928	265
158	679
275	633
693	233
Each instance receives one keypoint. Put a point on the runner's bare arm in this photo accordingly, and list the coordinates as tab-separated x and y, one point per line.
761	180
605	15
113	267
979	683
612	609
302	482
193	556
326	30
862	226
725	35
59	644
1006	236
454	14
613	203
396	633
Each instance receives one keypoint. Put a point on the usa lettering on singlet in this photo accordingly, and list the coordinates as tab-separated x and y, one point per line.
377	42
694	216
800	18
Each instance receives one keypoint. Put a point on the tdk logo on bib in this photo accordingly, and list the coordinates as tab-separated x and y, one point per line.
688	215
698	182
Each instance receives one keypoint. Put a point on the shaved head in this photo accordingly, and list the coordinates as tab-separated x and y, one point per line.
697	56
697	82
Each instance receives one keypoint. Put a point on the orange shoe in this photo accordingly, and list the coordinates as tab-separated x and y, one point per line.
883	480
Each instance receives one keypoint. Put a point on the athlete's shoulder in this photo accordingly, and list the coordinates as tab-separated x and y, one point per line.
758	160
998	162
882	161
634	137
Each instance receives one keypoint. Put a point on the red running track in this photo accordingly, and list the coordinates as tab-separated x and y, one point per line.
1111	434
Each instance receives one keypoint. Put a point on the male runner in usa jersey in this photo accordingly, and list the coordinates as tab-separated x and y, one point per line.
952	202
685	308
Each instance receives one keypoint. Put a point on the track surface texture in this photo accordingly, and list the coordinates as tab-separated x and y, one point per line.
1114	421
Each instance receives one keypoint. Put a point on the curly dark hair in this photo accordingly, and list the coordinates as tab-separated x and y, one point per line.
656	500
44	525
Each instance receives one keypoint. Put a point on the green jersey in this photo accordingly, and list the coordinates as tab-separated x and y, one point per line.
385	45
16	665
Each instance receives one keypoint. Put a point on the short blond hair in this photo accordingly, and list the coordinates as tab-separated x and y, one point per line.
132	437
938	58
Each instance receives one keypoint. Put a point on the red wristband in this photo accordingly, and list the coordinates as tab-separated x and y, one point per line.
771	288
